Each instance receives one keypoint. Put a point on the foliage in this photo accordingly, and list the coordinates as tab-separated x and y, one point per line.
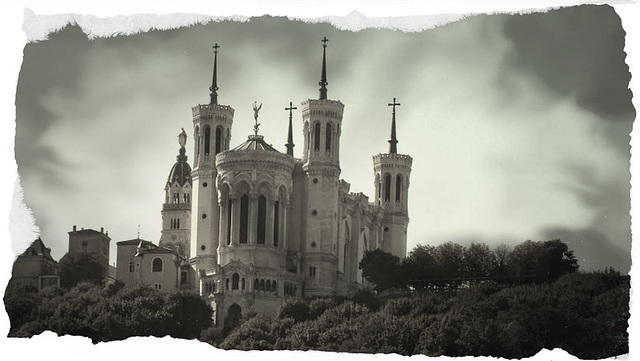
382	269
79	267
584	313
111	312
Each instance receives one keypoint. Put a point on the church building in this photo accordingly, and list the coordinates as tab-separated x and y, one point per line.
258	225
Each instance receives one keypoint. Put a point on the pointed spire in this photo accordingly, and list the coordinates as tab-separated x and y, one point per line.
214	83
290	144
323	81
393	141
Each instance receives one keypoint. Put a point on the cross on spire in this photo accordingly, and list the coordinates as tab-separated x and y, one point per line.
214	83
290	144
393	141
323	81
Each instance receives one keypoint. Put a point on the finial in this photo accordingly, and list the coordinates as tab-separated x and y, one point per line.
138	231
290	144
256	109
323	81
393	141
182	140
214	83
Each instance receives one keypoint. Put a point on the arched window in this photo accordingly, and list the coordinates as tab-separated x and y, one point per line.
328	137
242	284
261	285
262	218
156	265
227	284
230	208
178	223
256	285
130	266
244	218
197	141
218	139
273	286
316	137
268	286
276	220
207	140
235	280
398	187
387	187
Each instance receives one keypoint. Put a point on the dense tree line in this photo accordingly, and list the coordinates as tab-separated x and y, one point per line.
107	312
450	265
584	313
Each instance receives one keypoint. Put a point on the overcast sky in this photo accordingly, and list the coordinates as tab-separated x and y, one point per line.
518	124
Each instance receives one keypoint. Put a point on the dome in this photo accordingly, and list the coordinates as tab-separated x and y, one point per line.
181	171
255	142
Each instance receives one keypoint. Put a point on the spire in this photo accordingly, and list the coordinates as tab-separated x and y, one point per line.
393	141
290	144
323	81
214	83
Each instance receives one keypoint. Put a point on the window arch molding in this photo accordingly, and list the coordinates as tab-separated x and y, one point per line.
157	265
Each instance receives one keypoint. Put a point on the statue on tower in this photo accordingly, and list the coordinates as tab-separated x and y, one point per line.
182	138
256	109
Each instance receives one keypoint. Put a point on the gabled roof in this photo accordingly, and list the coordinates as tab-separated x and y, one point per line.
37	248
135	242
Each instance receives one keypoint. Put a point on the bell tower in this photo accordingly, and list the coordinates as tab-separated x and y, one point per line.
322	120
392	171
212	133
176	210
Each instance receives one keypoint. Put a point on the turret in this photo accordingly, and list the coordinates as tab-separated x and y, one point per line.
392	171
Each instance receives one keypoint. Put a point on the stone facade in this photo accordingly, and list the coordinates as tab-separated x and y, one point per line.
34	268
266	226
94	243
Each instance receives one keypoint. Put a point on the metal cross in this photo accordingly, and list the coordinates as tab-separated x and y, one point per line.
324	41
215	48
394	105
291	108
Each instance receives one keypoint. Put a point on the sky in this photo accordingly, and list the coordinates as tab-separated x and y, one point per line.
518	125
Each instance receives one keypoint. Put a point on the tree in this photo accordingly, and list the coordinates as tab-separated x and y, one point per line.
450	257
382	269
478	262
79	267
420	267
542	261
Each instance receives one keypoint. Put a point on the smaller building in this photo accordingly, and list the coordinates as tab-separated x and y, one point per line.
94	243
140	261
34	268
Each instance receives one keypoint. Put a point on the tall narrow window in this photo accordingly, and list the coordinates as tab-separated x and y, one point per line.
218	139
244	218
130	266
235	280
230	212
178	223
198	141
276	222
387	187
156	265
328	137
207	140
262	218
316	136
398	188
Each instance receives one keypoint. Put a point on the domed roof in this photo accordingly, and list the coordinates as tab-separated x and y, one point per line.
181	170
255	142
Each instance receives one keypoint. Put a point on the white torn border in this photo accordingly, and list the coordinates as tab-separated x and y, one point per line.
105	19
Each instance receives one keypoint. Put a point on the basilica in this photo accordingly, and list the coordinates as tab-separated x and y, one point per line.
252	226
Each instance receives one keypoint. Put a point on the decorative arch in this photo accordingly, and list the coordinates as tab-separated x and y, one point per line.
156	265
398	187
219	140
387	187
316	136
328	135
235	281
207	140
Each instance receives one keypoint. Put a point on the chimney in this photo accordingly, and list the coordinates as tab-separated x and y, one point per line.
74	227
101	229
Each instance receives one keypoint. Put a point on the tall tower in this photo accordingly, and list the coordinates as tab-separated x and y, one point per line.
212	133
176	210
322	119
392	171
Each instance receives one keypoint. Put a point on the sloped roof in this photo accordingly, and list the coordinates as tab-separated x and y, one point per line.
37	248
255	142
